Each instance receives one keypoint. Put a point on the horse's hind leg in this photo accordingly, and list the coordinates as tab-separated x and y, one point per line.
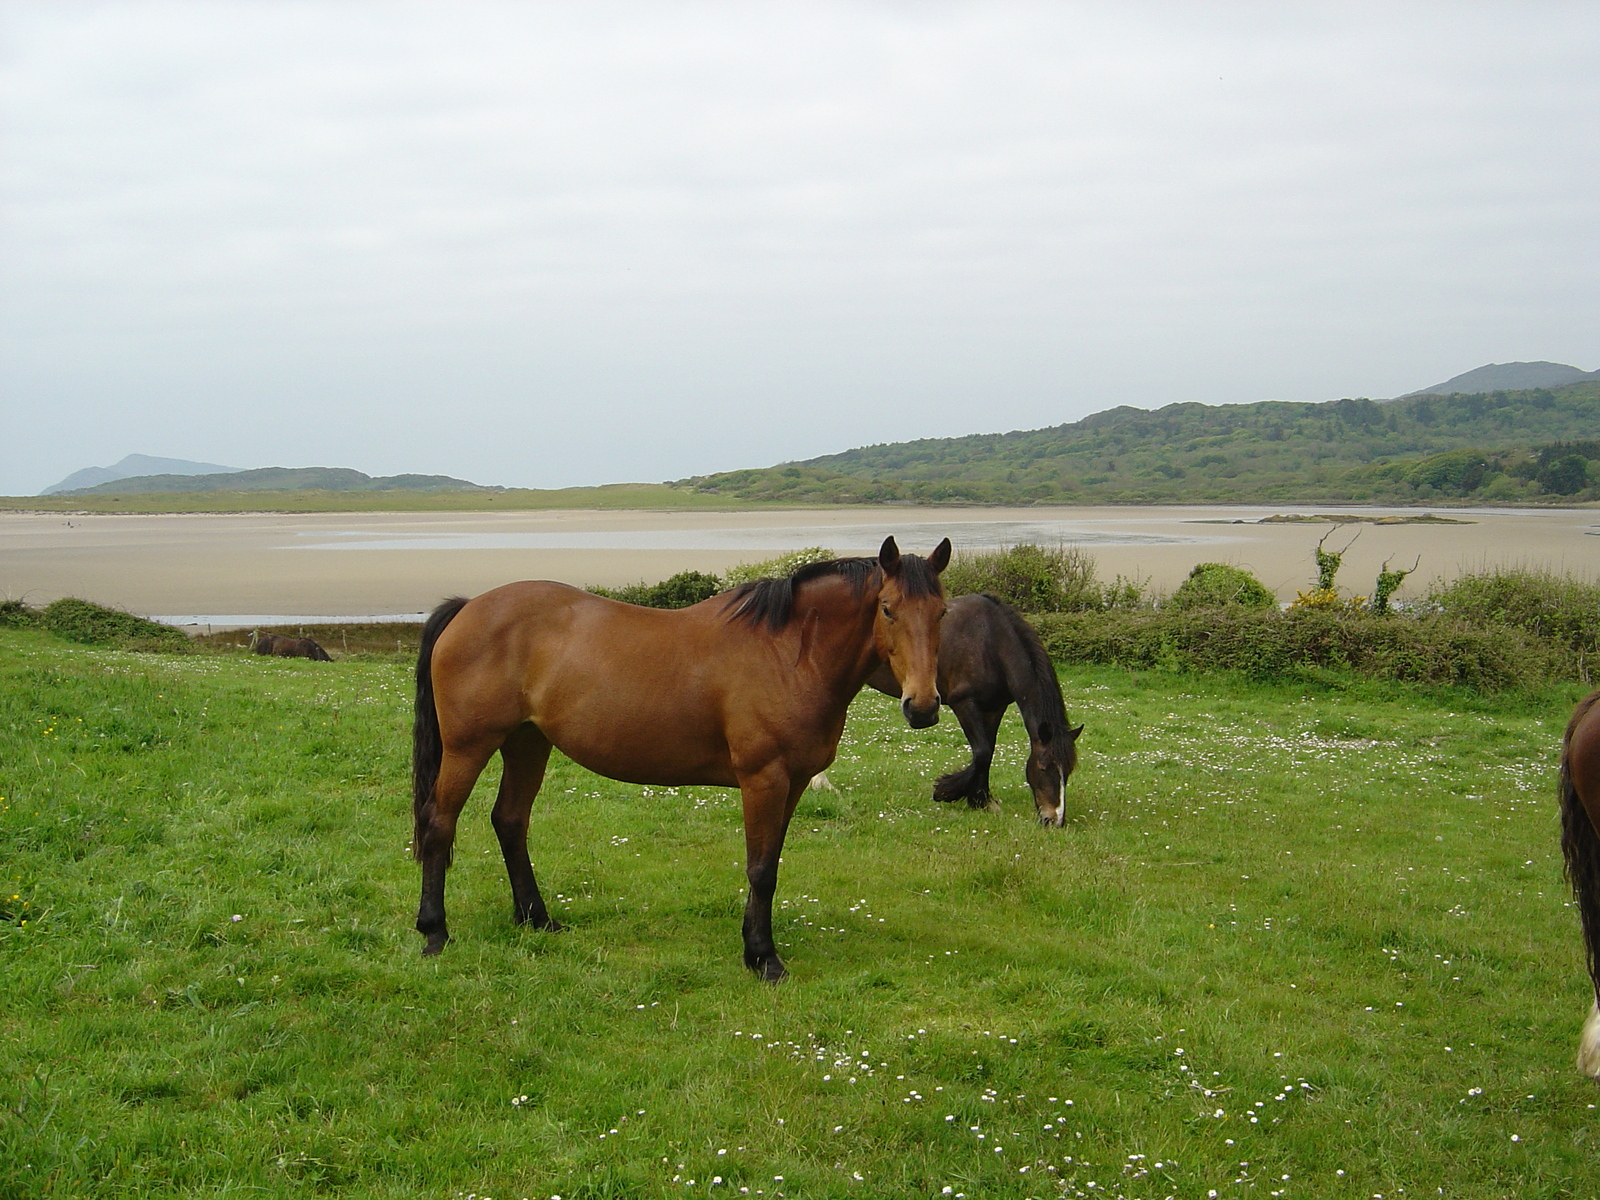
523	758
972	782
458	771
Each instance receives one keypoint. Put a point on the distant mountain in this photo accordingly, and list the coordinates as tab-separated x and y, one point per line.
1509	377
135	464
280	479
1272	451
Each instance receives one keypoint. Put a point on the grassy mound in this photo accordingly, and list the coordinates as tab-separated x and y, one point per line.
94	625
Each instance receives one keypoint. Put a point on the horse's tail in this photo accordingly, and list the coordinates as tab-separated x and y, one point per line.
1037	691
1580	847
427	748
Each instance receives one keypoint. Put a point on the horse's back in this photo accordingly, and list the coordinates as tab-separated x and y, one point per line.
606	682
980	651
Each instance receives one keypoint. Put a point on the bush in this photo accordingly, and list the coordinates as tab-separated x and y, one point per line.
95	625
776	568
14	614
1034	579
1218	585
1274	644
680	591
1558	607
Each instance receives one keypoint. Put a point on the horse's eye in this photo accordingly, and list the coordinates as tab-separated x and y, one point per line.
887	612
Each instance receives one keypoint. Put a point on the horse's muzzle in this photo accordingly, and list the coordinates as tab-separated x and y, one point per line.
920	718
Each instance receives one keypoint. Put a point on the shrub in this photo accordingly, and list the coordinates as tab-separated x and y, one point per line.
1328	600
775	568
94	624
1274	644
680	591
14	614
1219	585
1034	579
1558	607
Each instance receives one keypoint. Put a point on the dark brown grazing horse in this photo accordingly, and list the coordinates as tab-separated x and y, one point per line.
989	659
288	647
747	689
1580	846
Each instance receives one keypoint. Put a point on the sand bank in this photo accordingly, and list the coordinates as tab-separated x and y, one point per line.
374	564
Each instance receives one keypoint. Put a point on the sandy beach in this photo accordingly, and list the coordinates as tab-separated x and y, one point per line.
247	567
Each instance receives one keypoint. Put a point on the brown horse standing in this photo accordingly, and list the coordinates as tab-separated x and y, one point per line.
1580	846
747	689
989	659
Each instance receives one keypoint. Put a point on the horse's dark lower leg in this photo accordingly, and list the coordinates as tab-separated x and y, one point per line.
523	759
971	783
767	809
457	774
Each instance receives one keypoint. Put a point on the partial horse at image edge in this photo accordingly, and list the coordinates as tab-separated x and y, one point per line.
1580	847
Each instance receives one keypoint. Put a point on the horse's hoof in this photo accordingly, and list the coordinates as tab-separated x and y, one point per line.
770	969
984	802
435	944
547	923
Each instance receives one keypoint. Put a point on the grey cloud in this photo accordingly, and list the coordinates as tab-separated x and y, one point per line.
574	243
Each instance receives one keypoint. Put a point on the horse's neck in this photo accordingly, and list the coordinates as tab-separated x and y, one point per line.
832	632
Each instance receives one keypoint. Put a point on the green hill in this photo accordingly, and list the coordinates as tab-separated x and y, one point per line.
279	479
1500	447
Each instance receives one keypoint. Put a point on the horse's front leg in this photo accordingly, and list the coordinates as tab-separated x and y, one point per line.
971	783
769	802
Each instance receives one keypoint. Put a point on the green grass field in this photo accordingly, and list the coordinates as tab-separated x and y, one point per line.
1295	941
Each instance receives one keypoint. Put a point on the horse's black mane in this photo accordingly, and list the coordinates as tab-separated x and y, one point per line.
770	602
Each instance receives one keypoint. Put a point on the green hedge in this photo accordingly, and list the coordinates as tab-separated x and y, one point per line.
1272	644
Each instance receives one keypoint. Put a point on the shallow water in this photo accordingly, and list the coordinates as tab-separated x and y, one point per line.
846	539
283	569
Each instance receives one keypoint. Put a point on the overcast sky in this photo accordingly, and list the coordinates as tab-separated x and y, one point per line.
553	244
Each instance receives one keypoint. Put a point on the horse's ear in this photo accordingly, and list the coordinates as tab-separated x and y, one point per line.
889	556
940	558
1075	732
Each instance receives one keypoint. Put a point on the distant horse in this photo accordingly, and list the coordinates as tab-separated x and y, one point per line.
1580	846
288	647
989	659
747	689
